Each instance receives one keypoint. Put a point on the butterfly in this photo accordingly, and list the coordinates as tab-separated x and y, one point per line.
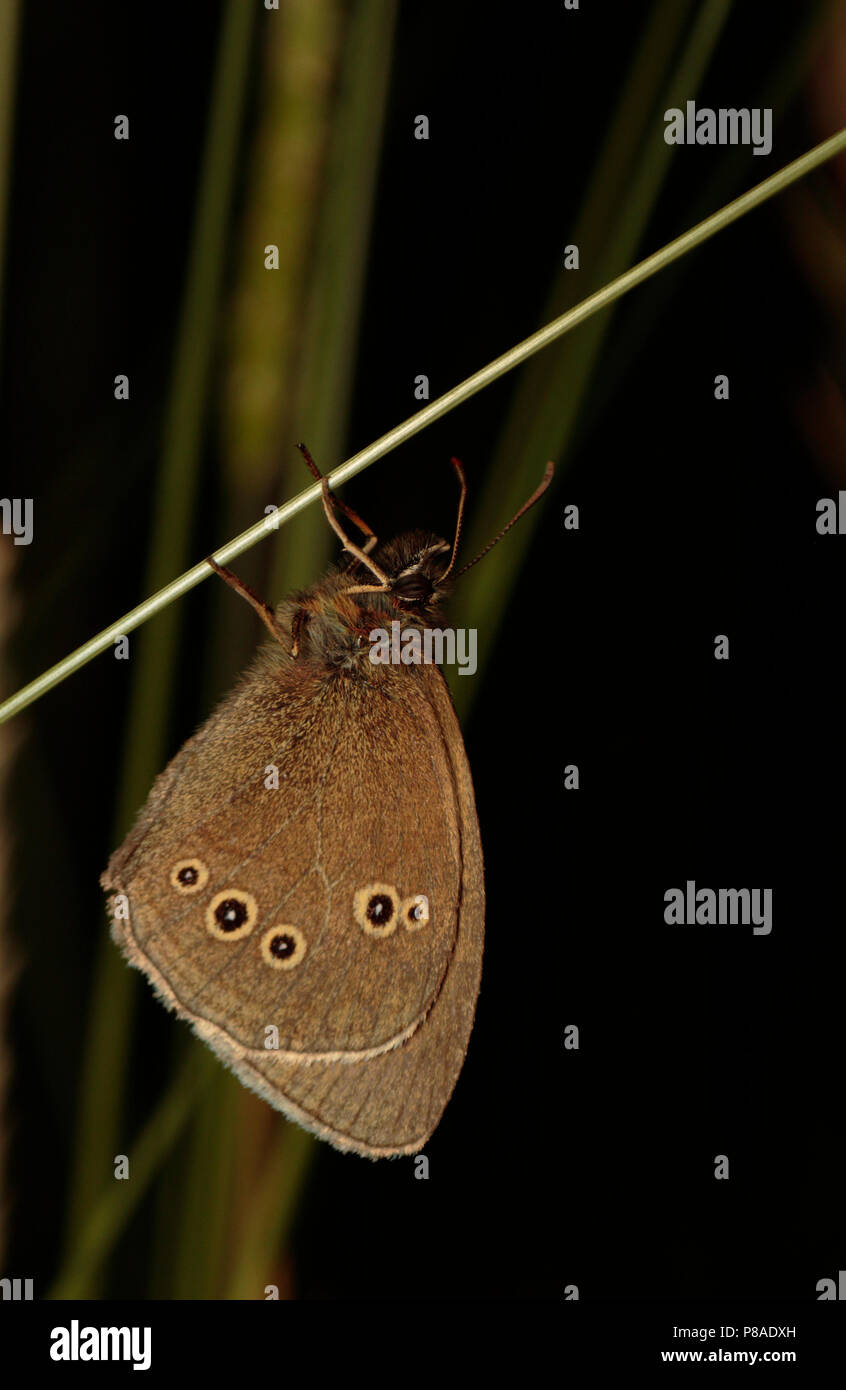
305	882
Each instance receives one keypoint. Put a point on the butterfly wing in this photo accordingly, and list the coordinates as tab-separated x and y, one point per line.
391	1103
300	805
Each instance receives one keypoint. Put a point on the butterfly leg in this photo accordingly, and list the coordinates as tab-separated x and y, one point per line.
372	538
342	506
349	545
263	609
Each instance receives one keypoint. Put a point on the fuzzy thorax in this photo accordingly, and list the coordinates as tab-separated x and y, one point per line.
333	621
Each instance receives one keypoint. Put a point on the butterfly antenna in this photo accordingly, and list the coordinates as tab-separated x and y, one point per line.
457	465
535	497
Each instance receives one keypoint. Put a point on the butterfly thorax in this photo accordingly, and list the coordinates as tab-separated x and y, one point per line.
334	619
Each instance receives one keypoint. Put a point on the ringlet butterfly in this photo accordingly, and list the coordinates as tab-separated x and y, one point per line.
305	883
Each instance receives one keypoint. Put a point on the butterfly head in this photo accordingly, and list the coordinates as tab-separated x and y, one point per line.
412	573
416	565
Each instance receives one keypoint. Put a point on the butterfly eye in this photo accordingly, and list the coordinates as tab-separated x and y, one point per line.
413	586
376	909
231	914
189	875
283	947
415	912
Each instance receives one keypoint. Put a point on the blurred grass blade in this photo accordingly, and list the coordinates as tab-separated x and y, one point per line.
117	1202
110	1009
547	402
9	24
618	155
286	167
196	1239
778	90
285	163
270	1212
325	370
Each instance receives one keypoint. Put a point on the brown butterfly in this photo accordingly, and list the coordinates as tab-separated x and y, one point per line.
305	882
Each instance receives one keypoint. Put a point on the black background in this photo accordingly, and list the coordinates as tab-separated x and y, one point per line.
550	1167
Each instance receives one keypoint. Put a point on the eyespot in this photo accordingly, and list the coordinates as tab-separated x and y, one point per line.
376	909
414	912
189	875
231	914
283	947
